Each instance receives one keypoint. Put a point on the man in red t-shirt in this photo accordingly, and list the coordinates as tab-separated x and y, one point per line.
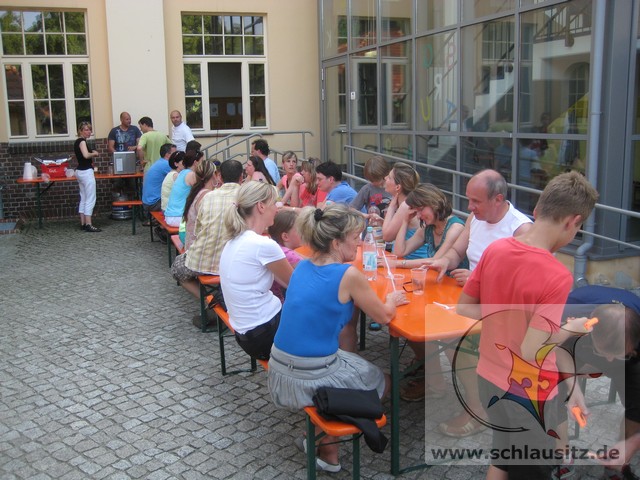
518	290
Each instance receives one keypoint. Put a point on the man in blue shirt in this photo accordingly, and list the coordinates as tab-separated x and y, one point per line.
153	178
612	349
330	180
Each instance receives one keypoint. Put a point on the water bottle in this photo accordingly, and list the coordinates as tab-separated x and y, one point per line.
369	256
376	224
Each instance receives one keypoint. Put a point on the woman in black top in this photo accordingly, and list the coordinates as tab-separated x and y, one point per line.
86	180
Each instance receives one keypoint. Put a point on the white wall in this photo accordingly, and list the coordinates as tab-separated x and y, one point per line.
137	59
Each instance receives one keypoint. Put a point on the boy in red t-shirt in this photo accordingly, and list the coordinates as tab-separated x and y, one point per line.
519	290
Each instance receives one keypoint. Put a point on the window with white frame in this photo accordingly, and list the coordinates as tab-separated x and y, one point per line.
46	73
224	71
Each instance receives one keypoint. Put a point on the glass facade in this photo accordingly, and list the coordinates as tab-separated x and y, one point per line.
462	86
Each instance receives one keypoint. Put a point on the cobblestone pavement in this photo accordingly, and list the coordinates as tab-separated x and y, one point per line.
103	375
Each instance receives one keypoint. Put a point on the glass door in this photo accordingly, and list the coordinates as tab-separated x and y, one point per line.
334	111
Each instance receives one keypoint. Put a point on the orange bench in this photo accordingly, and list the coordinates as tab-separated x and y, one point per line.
223	327
334	428
136	207
159	216
208	283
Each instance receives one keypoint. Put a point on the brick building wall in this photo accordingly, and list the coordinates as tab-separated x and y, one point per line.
61	199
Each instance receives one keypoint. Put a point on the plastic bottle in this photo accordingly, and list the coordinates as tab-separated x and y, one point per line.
376	224
369	256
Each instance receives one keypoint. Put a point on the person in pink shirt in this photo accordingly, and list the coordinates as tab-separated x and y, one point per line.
284	232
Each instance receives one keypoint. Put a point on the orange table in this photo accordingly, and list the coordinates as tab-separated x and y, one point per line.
420	321
40	192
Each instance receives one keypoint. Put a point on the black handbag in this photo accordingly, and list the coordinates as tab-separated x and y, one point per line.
357	407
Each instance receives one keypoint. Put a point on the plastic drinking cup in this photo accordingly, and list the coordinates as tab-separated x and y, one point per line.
398	281
418	278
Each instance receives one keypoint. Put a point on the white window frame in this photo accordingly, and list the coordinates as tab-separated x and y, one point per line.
67	62
246	95
69	95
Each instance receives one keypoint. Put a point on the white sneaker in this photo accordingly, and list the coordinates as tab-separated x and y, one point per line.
301	444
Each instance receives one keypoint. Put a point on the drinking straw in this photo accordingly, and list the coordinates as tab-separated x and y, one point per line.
393	280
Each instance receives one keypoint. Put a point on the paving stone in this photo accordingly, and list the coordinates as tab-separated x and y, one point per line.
102	375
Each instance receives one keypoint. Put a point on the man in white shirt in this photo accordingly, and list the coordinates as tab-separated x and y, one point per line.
180	132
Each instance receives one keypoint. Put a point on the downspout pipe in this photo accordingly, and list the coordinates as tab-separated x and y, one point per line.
595	114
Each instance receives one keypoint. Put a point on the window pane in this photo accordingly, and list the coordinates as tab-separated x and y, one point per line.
83	111
12	44
436	13
34	44
232	25
471	10
396	101
194	112
367	90
213	24
541	101
334	26
43	117
192	24
192	80
32	21
437	67
254	46
55	44
438	150
76	45
13	78
10	21
17	119
363	23
396	18
59	116
56	81
53	21
74	22
233	45
191	45
487	88
258	112
213	46
39	81
256	79
81	81
253	26
225	95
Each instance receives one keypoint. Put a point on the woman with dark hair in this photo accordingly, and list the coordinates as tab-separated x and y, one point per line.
256	170
437	231
320	300
207	177
181	188
86	179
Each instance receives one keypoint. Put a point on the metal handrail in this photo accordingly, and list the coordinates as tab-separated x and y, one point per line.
245	138
598	206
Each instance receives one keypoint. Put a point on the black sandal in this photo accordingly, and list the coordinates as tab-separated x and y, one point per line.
91	228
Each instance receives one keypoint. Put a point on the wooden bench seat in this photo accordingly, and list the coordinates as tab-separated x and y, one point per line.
207	283
226	330
136	209
334	428
159	217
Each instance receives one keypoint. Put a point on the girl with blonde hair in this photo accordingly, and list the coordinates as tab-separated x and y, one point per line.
249	264
320	300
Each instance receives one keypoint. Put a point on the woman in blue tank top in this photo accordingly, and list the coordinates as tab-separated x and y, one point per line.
181	188
319	303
